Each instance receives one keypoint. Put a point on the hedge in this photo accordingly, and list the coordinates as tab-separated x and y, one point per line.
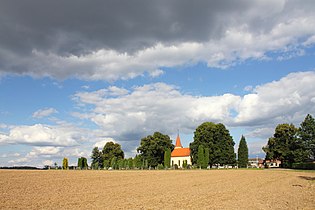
306	166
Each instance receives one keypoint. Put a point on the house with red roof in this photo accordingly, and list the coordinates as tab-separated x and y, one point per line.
180	155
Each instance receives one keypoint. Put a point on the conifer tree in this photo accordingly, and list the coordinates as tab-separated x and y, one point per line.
96	158
167	158
307	135
206	157
65	163
185	164
80	163
201	156
242	153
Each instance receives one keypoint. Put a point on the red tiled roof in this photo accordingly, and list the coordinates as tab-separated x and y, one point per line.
180	152
178	143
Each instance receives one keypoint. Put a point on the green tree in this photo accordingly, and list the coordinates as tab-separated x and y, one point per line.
206	157
201	156
185	164
113	163
106	164
285	146
146	164
242	153
130	163
65	163
152	148
96	158
306	134
167	158
111	150
138	162
121	164
82	163
219	141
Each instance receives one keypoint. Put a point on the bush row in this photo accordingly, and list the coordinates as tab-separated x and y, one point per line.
306	166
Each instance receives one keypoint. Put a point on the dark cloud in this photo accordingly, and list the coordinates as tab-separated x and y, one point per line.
79	26
38	36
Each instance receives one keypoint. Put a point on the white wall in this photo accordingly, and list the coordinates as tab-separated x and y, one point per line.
181	159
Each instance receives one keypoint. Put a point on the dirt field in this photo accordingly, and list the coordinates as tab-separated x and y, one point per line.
215	189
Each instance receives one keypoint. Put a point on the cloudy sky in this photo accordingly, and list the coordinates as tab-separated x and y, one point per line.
75	74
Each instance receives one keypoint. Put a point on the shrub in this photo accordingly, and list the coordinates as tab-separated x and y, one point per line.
185	164
305	166
176	166
160	167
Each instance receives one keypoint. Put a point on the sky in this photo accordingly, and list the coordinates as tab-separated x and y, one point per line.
76	74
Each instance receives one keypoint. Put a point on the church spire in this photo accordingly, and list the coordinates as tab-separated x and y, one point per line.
178	144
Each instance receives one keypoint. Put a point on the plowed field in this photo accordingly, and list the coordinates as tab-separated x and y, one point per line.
194	189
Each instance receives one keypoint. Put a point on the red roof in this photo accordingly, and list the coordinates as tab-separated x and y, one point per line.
178	143
180	152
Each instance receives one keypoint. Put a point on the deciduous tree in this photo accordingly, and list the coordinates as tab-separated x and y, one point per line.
284	145
152	148
219	141
111	150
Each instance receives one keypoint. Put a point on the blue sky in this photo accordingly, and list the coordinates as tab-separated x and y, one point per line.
71	80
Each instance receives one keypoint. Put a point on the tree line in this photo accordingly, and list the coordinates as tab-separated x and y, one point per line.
212	145
292	145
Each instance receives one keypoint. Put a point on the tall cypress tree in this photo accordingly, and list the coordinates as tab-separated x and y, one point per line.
201	156
65	163
307	136
80	163
96	158
242	153
206	157
167	158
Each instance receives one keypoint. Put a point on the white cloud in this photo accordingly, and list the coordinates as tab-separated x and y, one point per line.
255	148
48	162
44	151
44	112
19	161
162	107
43	135
101	144
288	99
248	88
3	126
154	107
86	87
264	132
10	155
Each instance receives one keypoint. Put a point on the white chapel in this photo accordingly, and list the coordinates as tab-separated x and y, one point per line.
180	154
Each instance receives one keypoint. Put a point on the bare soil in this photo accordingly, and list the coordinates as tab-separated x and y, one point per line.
189	189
